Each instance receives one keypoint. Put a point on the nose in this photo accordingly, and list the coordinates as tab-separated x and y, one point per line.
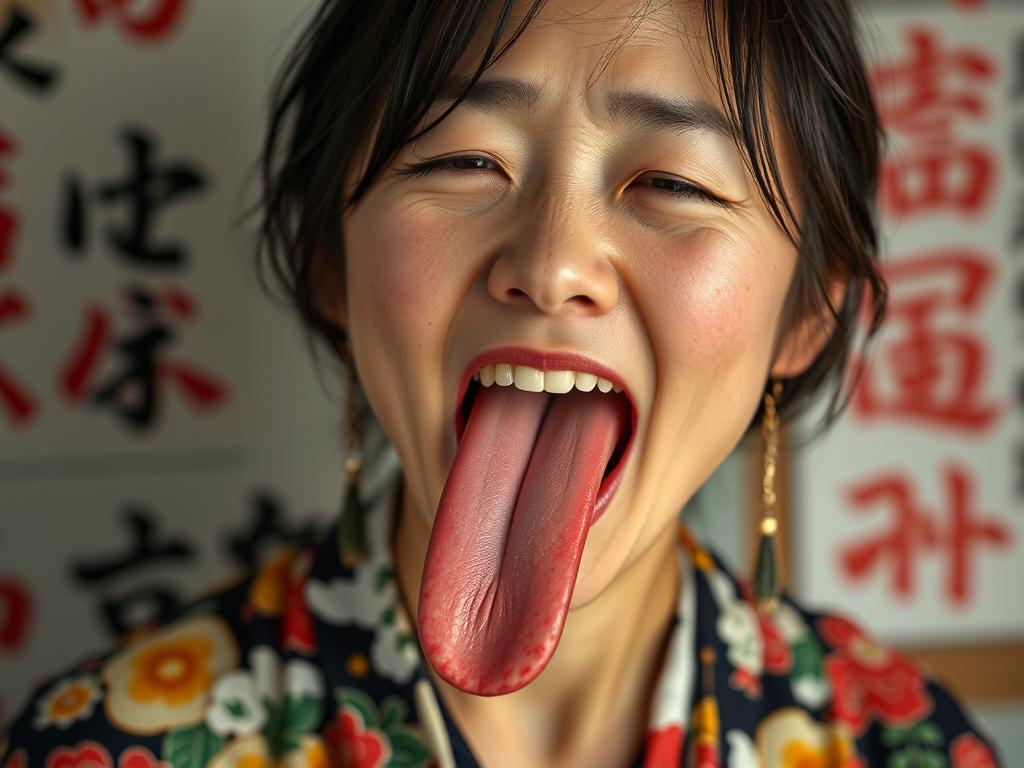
556	263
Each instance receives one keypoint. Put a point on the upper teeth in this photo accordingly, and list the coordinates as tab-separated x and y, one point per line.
531	380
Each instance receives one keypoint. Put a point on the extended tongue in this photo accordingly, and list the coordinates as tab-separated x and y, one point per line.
509	534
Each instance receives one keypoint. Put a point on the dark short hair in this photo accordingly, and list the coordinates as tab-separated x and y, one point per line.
357	60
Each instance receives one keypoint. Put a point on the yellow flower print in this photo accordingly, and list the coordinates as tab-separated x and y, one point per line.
175	671
246	752
311	753
70	700
163	681
269	588
790	738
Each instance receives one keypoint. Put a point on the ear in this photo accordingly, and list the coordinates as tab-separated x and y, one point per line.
807	335
329	289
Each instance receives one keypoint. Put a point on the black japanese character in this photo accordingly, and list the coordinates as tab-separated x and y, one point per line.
125	609
146	189
36	76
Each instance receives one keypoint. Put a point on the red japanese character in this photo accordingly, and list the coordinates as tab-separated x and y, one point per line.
937	178
133	391
8	218
932	374
156	19
15	400
956	532
919	102
15	614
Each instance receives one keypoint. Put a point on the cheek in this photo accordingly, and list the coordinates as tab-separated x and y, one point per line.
399	267
717	297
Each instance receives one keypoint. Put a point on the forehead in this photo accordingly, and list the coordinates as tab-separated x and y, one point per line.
578	46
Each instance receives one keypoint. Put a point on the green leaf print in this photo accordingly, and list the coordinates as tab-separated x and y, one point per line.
236	708
807	657
360	702
897	736
385	576
917	758
393	712
301	715
273	728
407	749
928	734
191	747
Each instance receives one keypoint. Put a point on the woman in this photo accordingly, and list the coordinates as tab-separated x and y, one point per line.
572	251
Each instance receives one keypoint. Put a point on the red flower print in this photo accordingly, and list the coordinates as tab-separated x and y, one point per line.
968	751
746	681
777	658
664	747
297	622
355	746
869	680
16	759
88	754
139	757
706	755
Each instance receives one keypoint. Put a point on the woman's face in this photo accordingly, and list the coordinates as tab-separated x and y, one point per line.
599	208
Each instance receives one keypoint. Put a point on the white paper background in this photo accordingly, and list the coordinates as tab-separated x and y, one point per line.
860	449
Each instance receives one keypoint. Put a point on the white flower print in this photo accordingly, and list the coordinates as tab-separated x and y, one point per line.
392	654
737	626
302	678
741	750
266	673
235	708
360	601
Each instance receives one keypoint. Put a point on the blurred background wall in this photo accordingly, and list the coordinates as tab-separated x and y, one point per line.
162	426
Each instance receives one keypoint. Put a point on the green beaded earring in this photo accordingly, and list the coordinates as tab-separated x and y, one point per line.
766	569
352	525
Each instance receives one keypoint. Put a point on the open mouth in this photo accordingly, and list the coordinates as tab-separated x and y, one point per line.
612	475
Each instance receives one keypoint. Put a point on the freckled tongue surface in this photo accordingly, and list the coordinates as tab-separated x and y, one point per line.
509	534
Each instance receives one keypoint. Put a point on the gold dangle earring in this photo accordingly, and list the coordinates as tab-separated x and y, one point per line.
766	569
352	525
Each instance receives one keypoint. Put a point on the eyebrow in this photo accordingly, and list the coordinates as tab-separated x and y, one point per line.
645	110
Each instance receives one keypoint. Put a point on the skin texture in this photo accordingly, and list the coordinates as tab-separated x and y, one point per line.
562	240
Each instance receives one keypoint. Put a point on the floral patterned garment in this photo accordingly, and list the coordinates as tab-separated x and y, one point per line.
308	663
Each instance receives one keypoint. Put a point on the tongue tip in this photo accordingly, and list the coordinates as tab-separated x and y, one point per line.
484	665
488	682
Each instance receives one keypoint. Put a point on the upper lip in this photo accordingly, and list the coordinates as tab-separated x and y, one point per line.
542	361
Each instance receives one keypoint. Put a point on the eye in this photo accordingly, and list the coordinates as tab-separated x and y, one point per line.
679	188
457	164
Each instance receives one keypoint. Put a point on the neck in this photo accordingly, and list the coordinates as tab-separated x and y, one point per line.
600	677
